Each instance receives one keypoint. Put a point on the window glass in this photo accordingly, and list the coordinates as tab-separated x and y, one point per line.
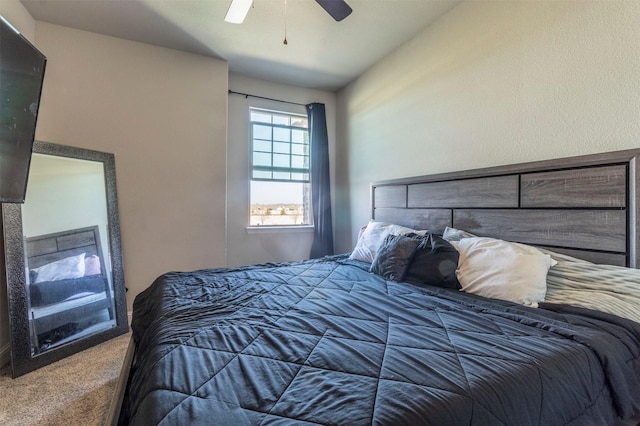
262	132
262	159
298	135
282	134
263	146
280	189
281	119
261	117
282	148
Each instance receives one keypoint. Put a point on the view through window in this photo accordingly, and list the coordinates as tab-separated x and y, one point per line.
280	189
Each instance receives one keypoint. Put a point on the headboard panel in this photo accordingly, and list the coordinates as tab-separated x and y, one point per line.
584	206
44	249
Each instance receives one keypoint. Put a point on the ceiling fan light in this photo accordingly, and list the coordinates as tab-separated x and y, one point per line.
238	11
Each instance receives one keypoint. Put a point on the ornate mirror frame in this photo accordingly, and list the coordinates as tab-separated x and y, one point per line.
22	359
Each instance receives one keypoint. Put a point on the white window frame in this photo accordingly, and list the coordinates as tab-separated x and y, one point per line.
281	108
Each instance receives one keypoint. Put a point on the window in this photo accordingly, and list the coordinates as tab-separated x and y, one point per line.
280	189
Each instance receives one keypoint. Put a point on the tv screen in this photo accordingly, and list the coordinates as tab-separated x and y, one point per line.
21	76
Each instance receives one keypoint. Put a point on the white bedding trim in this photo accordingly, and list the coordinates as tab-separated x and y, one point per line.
44	311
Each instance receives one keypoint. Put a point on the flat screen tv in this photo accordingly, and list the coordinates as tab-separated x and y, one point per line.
21	76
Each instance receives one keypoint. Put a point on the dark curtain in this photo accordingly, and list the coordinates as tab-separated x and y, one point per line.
320	185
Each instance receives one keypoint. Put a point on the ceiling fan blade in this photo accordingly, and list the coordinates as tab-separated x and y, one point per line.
338	9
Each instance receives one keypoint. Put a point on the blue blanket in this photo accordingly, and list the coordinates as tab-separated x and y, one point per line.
327	342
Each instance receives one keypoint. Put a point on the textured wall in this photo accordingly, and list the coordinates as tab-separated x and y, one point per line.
163	114
491	83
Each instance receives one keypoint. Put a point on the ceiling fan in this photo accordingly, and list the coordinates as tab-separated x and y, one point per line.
338	9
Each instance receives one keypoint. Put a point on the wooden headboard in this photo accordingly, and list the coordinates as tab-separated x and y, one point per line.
584	206
44	249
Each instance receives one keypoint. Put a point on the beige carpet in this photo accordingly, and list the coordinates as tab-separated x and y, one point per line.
74	391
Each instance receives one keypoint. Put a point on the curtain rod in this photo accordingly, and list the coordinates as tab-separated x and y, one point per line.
246	95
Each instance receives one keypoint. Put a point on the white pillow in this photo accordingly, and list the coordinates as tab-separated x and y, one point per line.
67	268
502	270
373	236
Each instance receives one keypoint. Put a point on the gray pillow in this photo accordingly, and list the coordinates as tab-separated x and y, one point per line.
394	255
434	263
420	260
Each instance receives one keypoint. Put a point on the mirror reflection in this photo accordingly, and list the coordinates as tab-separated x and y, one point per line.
67	258
62	257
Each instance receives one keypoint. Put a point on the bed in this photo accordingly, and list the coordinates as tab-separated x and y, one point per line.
369	337
69	291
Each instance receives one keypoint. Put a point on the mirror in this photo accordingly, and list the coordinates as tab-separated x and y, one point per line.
62	257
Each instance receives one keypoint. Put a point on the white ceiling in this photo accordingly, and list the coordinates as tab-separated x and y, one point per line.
321	53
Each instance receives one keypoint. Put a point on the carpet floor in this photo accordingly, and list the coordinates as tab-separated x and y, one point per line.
74	391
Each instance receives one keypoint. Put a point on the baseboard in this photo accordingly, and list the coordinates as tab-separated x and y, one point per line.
5	355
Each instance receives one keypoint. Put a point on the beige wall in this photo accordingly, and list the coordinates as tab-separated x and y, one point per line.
14	12
264	245
490	83
163	113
